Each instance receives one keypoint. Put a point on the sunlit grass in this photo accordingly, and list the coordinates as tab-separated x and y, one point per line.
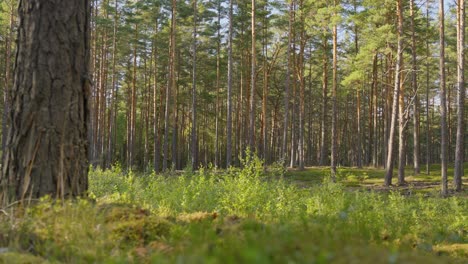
238	216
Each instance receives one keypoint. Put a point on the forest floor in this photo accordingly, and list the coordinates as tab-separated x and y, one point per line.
243	216
372	179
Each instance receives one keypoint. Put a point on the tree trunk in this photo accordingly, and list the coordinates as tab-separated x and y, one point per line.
287	84
113	95
252	82
323	124
47	145
428	55
169	88
396	93
334	145
443	101
460	145
229	92
6	88
414	84
194	145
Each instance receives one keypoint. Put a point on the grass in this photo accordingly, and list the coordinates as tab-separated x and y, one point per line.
373	178
238	216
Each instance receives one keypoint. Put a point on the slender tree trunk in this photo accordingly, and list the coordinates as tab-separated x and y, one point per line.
156	136
401	132
461	132
131	143
264	147
287	84
323	124
252	82
47	141
229	93
301	88
428	54
396	93
218	72
334	145
374	111
113	96
414	84
194	146
443	100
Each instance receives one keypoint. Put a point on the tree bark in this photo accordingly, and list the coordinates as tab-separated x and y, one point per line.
323	124
47	146
252	82
443	100
229	93
460	145
194	148
414	84
396	93
334	145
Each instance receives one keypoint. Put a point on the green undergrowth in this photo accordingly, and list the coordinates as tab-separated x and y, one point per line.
238	216
373	178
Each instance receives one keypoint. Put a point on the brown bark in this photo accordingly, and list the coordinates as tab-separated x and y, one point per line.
252	81
443	100
461	132
46	148
334	132
229	92
414	84
396	93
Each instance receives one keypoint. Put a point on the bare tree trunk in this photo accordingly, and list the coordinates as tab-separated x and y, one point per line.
113	96
374	111
47	143
131	143
396	93
287	84
218	72
428	54
252	82
301	88
414	84
323	124
194	145
401	133
334	145
460	145
156	136
169	88
229	92
443	101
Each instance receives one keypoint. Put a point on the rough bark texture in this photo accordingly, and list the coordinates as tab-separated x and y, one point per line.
47	144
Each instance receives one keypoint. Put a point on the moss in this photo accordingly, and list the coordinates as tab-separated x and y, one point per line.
23	258
196	217
134	225
456	250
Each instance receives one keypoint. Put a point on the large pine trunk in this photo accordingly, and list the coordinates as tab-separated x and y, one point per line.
47	146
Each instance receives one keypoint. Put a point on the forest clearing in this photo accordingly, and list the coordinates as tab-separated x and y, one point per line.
233	131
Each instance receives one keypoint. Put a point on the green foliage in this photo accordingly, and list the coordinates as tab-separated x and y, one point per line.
238	216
